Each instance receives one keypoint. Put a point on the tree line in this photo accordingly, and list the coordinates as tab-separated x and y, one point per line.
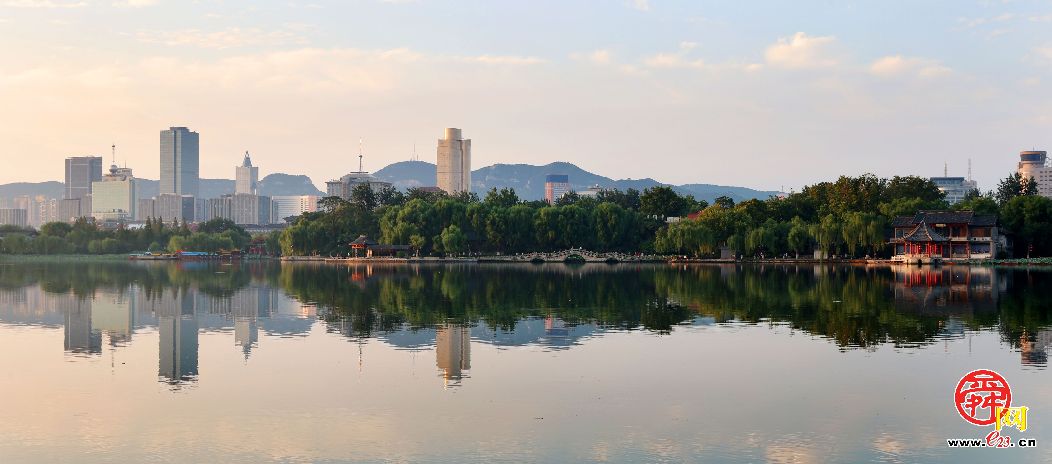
848	217
437	223
84	236
851	217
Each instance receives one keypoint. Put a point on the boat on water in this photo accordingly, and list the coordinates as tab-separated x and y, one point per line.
186	256
147	256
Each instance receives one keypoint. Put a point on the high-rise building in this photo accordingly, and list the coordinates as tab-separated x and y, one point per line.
294	205
247	177
180	161
81	171
14	217
68	210
555	186
1034	164
453	170
249	209
114	197
169	207
145	209
955	188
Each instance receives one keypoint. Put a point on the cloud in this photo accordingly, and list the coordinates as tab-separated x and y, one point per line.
898	65
641	5
47	4
975	22
676	59
229	38
1043	52
601	56
501	59
134	3
802	51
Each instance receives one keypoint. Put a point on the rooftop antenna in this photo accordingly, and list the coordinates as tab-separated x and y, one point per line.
113	154
945	169
415	158
969	169
360	143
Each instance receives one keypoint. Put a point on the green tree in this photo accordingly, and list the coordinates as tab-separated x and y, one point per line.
1029	219
504	198
661	202
799	238
1013	186
453	240
364	197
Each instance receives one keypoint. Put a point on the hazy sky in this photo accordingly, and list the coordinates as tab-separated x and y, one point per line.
759	94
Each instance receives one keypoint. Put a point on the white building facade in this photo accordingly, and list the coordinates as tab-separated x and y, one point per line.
453	169
1034	164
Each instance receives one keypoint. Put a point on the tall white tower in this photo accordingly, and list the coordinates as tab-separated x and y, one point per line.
247	177
453	170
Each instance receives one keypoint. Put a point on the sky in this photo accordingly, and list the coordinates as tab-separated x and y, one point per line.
764	94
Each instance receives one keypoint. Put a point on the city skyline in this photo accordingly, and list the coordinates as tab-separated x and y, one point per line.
760	95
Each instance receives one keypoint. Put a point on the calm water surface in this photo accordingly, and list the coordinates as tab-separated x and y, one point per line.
194	362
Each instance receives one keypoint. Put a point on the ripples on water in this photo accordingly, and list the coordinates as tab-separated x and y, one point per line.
550	321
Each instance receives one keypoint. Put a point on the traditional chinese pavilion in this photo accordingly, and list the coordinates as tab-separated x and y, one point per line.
944	235
363	245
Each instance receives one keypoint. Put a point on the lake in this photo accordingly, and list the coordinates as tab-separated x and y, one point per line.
261	362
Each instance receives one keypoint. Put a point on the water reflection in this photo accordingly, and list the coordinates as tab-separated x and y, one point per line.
447	308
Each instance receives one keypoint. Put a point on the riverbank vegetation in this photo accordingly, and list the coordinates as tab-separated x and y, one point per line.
849	217
85	237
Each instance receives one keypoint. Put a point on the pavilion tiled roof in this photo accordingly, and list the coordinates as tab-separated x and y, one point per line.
924	234
945	217
363	240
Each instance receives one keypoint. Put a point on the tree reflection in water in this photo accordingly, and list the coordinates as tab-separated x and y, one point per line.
554	306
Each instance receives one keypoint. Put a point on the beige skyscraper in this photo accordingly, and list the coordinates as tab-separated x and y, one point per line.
247	177
454	162
453	351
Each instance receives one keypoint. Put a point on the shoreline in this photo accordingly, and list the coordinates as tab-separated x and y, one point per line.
1020	262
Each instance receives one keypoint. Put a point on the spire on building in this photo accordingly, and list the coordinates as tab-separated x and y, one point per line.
247	163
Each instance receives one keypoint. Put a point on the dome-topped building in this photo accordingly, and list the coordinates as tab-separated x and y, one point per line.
346	184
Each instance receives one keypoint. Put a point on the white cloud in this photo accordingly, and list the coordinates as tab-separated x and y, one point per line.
898	65
641	5
1043	52
502	59
601	56
677	59
229	38
802	51
48	4
134	3
975	22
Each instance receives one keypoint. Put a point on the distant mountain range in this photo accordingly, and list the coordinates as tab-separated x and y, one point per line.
526	179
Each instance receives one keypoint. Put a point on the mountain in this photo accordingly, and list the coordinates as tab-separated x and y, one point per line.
206	188
528	180
271	185
50	189
279	184
408	174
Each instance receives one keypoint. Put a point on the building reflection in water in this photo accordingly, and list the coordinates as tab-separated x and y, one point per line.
79	338
952	290
1034	348
453	352
177	326
114	315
